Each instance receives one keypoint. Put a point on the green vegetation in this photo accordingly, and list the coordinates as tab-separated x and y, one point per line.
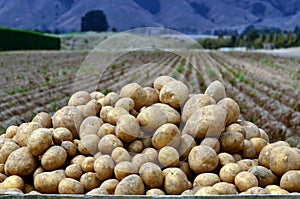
13	39
180	69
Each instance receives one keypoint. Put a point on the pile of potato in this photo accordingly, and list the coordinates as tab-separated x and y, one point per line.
144	140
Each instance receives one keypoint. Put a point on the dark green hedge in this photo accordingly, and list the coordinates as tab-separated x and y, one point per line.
13	39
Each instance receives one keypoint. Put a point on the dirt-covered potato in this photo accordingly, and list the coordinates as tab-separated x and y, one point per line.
136	146
97	191
264	135
88	164
11	131
139	159
120	154
225	188
96	95
20	162
160	81
70	186
38	171
229	171
279	192
272	187
106	129
176	182
207	121
172	114
248	150
212	142
155	192
245	180
109	100
90	125
188	192
231	142
6	149
203	159
152	175
70	148
151	118
104	167
2	178
28	188
108	143
1	168
152	94
251	129
124	169
216	90
79	98
264	176
247	164
174	93
13	181
259	144
166	135
127	128
135	92
73	171
225	158
184	166
89	181
109	185
92	108
89	144
54	158
47	182
232	110
39	141
61	134
69	117
187	142
209	190
290	181
206	179
125	103
44	119
256	191
194	103
168	156
130	185
104	112
114	114
235	127
24	131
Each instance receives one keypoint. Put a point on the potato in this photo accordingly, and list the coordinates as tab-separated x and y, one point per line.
120	154
109	185
194	103
6	149
90	143
92	108
73	171
207	191
207	121
108	143
166	135
28	188
104	112
1	168
89	181
248	150
104	167
229	171
106	129
24	131
251	129
290	181
184	166
79	98
256	190
90	125
54	158
44	119
188	192
62	134
264	155
272	187
125	103
70	186
263	135
187	142
172	114
235	127
151	118
174	93
264	176
154	192
11	131
279	192
96	95
160	81
88	164
130	185
139	159
110	99
20	162
152	95
136	146
231	142
175	182
245	180
246	164
225	158
124	169
97	191
225	188
232	110
147	141
259	144
168	157
127	128
38	171
39	141
152	175
114	114
237	157
12	191
212	142
151	154
216	90
206	179
69	117
70	148
13	181
135	92
203	159
47	182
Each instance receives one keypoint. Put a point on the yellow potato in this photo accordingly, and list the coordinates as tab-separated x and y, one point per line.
152	175
104	167
54	158
131	185
135	92
168	157
245	180
70	186
89	181
206	179
166	135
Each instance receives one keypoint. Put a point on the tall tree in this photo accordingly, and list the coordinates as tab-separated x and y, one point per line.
94	21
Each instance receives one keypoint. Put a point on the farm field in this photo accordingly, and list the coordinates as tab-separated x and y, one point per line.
266	87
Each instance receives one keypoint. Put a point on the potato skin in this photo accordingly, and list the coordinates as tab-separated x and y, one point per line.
175	182
70	186
11	131
125	103
229	171
155	192
209	190
135	92
44	119
39	141
6	149
187	142
232	110
13	181
212	142
109	185
90	125
152	94
216	90
172	114
54	158
136	146
152	175
130	185
264	176
92	108
127	128
73	171
168	157
166	135
89	181
206	179
124	169
290	181
79	98
104	167
231	142
224	188
139	159
245	180
225	158
70	148
160	81
120	154
47	182
88	164
108	143
24	131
